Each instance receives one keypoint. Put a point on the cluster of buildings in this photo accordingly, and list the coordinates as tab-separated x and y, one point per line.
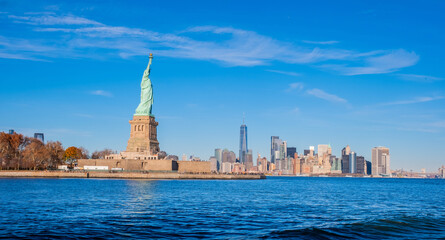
442	172
285	160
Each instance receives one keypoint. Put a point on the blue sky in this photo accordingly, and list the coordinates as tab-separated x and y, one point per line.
362	73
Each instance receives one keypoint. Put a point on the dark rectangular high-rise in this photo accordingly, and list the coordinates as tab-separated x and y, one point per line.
291	152
39	136
345	165
361	165
368	168
275	143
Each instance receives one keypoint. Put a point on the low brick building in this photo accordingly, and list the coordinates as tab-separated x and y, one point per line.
193	167
132	164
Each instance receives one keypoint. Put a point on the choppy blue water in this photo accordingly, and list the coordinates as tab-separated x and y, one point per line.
279	207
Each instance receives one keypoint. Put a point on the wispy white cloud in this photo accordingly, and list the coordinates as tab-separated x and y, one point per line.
285	72
101	93
389	61
49	19
326	96
224	45
415	100
438	124
16	48
295	86
18	56
418	78
321	42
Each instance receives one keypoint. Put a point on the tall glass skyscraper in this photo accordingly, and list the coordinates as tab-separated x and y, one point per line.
352	162
275	144
219	157
243	144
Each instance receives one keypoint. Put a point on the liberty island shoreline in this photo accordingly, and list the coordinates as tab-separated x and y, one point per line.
129	175
170	175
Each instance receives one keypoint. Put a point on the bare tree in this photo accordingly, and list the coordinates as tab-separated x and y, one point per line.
55	153
162	155
84	154
35	154
172	157
11	148
102	154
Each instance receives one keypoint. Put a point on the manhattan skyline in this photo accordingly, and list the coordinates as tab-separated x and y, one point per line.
72	70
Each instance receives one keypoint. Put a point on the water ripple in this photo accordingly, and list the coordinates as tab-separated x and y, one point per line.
276	208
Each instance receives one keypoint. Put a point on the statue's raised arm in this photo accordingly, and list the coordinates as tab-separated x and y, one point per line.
147	71
144	108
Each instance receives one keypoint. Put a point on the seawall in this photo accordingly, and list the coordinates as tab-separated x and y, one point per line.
125	175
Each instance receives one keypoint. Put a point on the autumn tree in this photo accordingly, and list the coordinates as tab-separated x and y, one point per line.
55	153
72	154
101	154
11	148
35	155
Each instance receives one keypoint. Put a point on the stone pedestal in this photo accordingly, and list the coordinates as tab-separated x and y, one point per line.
143	135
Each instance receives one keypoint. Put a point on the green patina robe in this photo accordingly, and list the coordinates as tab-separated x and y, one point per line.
144	108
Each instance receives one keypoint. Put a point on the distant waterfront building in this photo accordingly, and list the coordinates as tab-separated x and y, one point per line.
262	164
227	167
249	160
184	157
311	151
11	131
306	152
39	136
352	162
381	161
283	150
218	156
361	165
228	156
324	152
368	168
291	152
213	164
296	166
345	159
275	143
243	143
322	149
238	168
305	167
442	172
335	164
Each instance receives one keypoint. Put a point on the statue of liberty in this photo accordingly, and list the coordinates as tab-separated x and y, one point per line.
144	108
